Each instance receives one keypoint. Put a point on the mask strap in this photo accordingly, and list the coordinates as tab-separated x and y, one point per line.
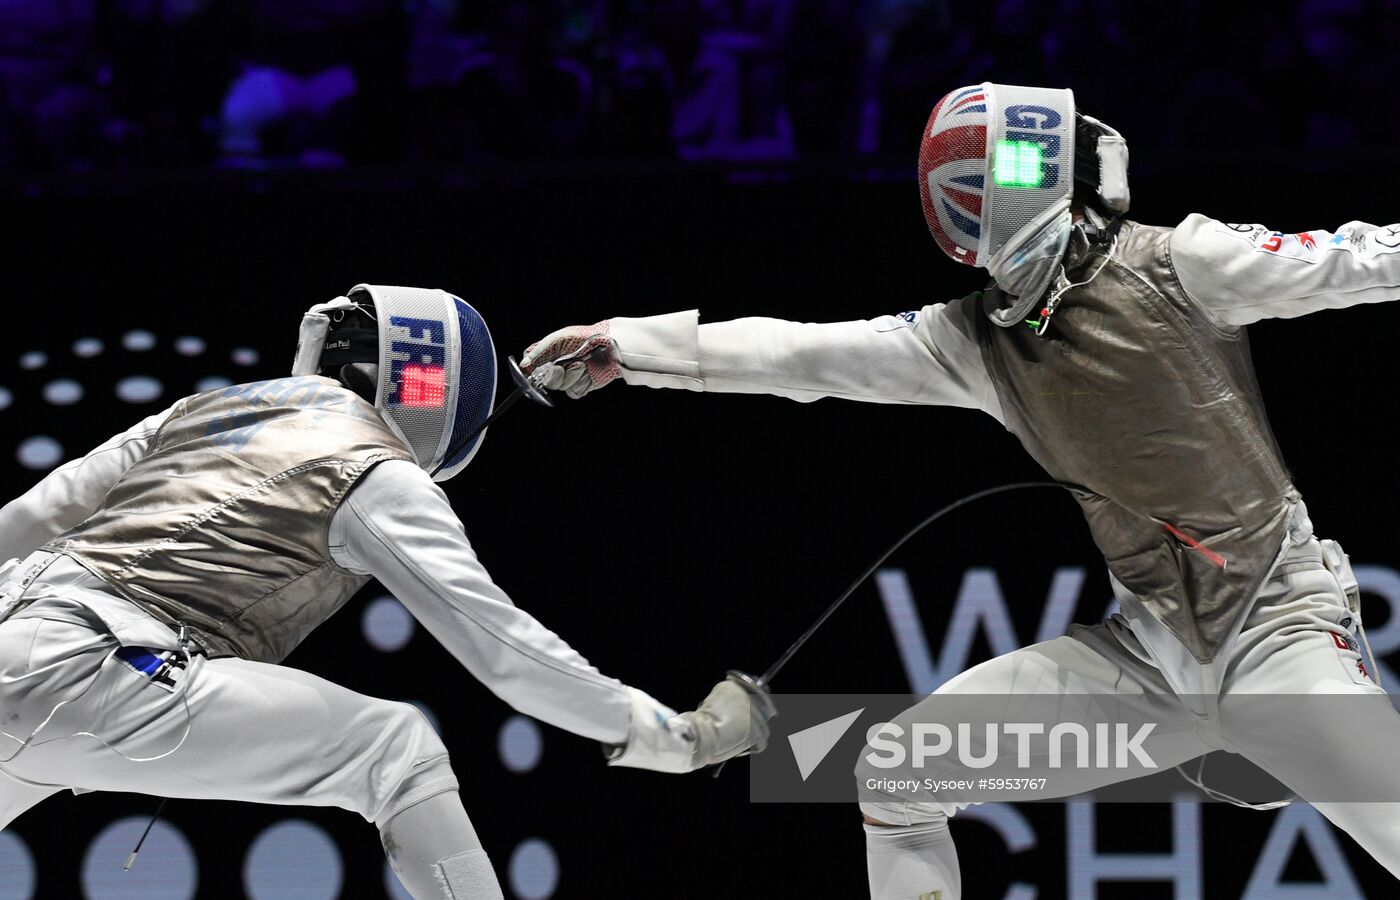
1110	165
315	325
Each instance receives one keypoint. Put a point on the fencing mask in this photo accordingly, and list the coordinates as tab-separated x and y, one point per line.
997	170
423	357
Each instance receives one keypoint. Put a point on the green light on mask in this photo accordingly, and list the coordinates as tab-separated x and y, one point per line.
1017	164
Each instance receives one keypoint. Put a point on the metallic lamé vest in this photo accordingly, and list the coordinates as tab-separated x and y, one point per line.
1136	397
223	524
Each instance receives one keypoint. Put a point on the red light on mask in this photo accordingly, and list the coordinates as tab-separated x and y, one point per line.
422	386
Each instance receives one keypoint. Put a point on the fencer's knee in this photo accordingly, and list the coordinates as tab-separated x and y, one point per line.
405	725
413	763
882	808
903	814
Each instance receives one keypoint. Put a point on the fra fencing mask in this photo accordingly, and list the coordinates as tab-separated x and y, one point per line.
423	357
997	172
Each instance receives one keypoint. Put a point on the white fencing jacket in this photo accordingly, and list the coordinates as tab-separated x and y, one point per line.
1237	274
397	526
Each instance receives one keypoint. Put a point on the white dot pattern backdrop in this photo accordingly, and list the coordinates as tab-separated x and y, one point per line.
65	387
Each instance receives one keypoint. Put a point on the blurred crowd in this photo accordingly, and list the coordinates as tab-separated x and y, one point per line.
169	84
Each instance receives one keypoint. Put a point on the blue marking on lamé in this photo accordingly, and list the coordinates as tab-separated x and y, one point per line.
141	659
976	107
967	92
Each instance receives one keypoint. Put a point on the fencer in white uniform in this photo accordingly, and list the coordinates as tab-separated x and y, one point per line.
1117	354
157	583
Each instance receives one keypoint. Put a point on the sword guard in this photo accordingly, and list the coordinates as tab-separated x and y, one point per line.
755	687
526	384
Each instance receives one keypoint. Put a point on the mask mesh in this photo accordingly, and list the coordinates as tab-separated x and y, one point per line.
476	390
1027	122
437	371
952	172
976	197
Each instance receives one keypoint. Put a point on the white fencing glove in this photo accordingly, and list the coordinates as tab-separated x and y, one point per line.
576	360
732	721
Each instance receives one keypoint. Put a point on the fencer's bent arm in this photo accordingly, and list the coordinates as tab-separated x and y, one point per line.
71	493
927	357
398	526
1243	273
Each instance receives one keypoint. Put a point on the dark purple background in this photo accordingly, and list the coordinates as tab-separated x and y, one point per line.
703	532
134	85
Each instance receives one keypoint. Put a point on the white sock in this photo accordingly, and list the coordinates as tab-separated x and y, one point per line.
436	854
912	862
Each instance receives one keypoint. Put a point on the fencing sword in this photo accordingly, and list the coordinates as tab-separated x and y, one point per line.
532	385
525	386
761	683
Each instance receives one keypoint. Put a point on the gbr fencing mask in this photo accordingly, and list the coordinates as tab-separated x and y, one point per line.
425	355
997	168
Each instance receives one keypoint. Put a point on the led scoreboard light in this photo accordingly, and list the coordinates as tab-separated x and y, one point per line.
1018	164
423	385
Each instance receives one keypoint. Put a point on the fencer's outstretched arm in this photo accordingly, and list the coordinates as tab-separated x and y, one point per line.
398	526
72	492
928	356
1243	273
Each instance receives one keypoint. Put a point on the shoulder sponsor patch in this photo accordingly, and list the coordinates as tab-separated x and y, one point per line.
1309	246
1364	240
1349	654
1387	237
1251	234
1302	245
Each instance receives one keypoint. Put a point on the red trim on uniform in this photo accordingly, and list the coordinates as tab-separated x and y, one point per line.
1196	545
